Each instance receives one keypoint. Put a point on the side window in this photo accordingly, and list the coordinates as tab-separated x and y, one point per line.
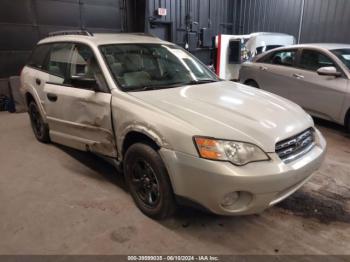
262	58
262	49
85	66
38	57
58	63
313	60
285	58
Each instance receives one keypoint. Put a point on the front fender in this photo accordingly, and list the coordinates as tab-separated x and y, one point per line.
167	131
142	128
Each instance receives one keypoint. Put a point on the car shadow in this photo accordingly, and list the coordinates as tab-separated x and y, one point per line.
185	216
190	219
340	129
101	168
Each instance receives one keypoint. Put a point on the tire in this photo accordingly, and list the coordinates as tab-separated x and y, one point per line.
252	83
40	128
347	123
148	181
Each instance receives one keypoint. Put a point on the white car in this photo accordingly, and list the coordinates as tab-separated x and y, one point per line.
315	76
180	134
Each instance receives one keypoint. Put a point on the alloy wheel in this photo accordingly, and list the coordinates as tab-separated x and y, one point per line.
145	183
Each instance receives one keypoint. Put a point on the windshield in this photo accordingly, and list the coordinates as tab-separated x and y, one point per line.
343	55
137	67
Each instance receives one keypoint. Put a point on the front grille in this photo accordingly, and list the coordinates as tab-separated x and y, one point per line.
295	146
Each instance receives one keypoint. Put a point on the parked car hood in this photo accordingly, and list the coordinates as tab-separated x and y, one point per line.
229	110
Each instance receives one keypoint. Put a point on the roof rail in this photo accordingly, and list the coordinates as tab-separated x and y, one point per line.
71	32
142	34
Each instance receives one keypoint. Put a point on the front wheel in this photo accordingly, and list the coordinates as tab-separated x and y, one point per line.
252	83
148	181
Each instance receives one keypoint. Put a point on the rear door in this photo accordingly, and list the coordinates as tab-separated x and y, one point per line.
322	96
275	72
79	116
34	74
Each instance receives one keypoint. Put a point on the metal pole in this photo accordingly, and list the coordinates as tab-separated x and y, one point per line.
301	20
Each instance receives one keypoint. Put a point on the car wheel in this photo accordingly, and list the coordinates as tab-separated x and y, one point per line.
347	122
252	83
40	128
148	181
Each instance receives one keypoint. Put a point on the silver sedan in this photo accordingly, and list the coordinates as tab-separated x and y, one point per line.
315	76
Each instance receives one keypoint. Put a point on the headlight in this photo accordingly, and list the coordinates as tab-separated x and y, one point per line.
238	153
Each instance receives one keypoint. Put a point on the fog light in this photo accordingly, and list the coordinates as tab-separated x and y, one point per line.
229	199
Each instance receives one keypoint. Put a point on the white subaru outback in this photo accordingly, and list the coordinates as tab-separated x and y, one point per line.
180	134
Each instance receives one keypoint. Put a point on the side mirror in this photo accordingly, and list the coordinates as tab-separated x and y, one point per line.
328	71
84	82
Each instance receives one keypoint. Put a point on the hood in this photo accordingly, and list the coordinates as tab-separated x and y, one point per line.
233	111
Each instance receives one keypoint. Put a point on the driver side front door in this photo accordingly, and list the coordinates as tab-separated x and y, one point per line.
321	96
78	113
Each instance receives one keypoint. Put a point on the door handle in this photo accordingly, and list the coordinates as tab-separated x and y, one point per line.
52	97
38	81
298	76
263	68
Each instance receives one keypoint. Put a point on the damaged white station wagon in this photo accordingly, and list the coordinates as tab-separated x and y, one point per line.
180	134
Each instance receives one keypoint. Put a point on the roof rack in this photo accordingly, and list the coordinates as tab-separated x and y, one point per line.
142	34
71	32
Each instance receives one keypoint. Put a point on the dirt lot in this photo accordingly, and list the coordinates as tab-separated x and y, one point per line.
55	200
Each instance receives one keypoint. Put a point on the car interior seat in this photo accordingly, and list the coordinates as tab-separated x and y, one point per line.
134	74
288	61
116	67
277	60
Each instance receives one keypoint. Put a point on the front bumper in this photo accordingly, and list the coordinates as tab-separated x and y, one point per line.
261	184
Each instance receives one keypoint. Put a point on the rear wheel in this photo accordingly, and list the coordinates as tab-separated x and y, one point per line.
40	128
252	83
148	181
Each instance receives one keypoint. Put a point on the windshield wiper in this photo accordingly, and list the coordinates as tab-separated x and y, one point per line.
171	85
200	81
152	87
139	88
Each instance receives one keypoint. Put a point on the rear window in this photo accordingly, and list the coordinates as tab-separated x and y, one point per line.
38	57
59	57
